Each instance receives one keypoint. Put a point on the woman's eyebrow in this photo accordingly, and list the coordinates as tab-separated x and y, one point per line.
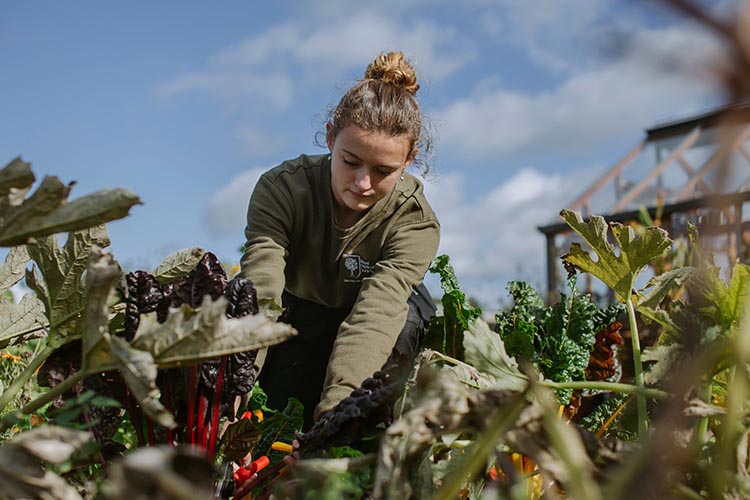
390	167
351	153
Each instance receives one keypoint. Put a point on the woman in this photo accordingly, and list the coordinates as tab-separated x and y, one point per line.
343	241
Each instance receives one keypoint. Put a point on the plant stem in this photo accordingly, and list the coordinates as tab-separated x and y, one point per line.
699	437
37	361
637	370
644	392
485	445
50	395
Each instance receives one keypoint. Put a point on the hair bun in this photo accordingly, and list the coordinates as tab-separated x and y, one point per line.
392	68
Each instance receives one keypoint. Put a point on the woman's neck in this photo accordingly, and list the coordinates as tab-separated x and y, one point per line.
346	218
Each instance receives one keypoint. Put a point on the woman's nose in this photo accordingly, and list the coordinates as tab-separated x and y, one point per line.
362	180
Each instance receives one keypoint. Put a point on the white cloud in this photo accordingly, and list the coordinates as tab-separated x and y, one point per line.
237	88
227	209
493	239
555	35
621	98
265	65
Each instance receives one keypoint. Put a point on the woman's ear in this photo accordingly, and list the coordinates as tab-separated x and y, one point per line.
329	136
410	158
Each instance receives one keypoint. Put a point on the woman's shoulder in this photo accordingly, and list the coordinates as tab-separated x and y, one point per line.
304	164
413	199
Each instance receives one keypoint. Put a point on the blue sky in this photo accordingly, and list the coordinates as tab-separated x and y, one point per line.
185	103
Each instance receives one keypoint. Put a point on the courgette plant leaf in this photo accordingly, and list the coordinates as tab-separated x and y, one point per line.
14	267
22	319
25	317
731	301
102	273
178	265
616	271
47	211
189	336
485	351
102	351
16	179
659	286
657	289
61	290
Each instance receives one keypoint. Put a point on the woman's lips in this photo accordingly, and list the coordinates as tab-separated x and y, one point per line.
359	195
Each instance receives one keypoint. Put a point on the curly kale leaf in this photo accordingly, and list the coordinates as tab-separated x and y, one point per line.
518	327
445	333
558	339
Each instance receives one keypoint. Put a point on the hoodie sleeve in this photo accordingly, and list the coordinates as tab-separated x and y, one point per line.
367	336
270	217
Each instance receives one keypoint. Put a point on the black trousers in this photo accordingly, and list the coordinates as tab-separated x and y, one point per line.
297	368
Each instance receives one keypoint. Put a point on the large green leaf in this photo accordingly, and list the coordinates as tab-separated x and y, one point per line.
61	289
616	271
189	336
14	267
484	350
21	319
47	211
178	265
732	301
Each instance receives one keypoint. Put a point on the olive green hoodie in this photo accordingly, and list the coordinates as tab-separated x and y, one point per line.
294	244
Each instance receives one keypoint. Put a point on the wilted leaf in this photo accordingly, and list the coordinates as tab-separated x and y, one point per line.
178	265
101	274
660	286
663	357
697	408
484	350
14	267
51	443
21	319
181	473
46	212
61	291
102	351
15	180
617	272
21	471
139	371
189	336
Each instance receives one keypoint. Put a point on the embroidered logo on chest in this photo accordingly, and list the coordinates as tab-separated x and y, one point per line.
356	268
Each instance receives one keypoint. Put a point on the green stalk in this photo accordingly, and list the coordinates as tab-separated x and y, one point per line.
637	370
644	392
49	396
699	437
36	362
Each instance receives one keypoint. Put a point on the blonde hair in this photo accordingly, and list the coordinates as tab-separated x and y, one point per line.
385	101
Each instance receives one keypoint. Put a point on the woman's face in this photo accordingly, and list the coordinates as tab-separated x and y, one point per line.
365	167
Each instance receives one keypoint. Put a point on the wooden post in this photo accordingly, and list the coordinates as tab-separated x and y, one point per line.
552	255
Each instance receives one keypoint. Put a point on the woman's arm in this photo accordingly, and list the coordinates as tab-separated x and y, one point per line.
367	336
270	217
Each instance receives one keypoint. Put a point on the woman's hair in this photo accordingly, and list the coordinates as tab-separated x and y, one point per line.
385	101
